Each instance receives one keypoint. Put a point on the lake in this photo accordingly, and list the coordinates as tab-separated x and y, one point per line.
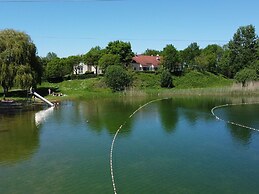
172	145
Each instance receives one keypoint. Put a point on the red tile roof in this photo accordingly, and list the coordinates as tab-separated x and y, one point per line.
145	60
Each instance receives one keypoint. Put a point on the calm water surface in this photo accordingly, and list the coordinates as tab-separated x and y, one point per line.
169	146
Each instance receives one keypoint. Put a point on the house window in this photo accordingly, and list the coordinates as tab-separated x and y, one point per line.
80	70
145	68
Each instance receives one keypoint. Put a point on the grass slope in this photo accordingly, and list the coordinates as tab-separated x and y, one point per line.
196	79
143	84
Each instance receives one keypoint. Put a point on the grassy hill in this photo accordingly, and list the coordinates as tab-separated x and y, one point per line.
143	84
196	79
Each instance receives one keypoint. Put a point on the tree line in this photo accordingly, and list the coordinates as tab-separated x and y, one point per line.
21	67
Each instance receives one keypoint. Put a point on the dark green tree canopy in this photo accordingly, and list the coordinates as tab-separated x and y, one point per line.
122	49
117	78
243	48
209	58
55	68
50	56
166	79
245	75
107	60
170	59
18	61
70	62
93	56
152	52
189	54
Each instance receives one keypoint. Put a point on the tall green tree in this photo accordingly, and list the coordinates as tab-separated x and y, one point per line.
122	49
55	69
189	54
170	59
93	56
18	61
209	58
152	52
107	60
45	60
50	56
243	49
70	62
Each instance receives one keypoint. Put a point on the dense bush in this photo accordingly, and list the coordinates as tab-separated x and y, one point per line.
83	76
117	78
166	79
245	75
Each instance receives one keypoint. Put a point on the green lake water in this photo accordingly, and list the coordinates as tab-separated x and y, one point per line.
169	146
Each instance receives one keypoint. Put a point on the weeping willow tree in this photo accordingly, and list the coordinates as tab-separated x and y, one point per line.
19	64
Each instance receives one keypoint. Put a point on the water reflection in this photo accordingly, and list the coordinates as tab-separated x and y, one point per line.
42	115
168	112
19	136
107	114
19	139
242	114
172	111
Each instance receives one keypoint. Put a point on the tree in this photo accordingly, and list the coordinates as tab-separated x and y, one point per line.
23	76
44	61
245	75
224	67
209	58
122	49
18	61
170	59
117	78
189	54
243	49
152	52
166	79
50	56
93	56
70	62
107	60
55	69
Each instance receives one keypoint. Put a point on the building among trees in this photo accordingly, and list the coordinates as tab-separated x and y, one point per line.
145	62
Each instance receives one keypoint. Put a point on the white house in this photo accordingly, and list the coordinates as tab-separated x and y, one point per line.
82	68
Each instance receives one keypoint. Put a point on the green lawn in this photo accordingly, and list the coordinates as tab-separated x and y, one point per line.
196	79
192	83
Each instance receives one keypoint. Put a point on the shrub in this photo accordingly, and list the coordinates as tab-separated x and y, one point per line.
166	79
83	76
117	78
245	75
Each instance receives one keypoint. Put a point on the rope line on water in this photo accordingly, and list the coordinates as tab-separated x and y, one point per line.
115	136
231	122
212	111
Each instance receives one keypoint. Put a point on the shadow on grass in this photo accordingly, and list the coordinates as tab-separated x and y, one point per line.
43	91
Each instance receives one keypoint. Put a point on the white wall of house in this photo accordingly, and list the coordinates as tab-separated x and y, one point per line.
82	68
139	67
136	67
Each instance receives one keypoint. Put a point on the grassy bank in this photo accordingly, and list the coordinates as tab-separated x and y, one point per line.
146	84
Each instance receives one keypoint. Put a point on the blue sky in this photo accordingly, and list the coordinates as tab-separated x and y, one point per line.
71	28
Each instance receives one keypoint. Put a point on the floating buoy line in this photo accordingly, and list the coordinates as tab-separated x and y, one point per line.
212	111
231	122
114	139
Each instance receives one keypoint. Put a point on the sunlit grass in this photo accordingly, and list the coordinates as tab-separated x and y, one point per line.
192	84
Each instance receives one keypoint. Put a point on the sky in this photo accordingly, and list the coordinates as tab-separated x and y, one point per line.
73	27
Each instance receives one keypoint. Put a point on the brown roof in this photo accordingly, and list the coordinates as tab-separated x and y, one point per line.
146	60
